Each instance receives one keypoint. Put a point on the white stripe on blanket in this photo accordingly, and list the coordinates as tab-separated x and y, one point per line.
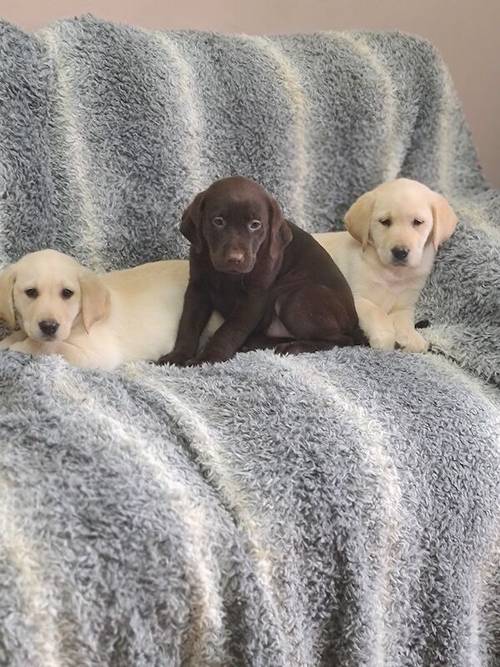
192	112
79	161
38	603
207	613
373	445
210	451
290	79
394	147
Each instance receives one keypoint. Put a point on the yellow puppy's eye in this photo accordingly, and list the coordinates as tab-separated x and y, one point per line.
32	292
386	222
66	293
417	222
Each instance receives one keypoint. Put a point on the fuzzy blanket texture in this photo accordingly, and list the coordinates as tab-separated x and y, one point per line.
339	508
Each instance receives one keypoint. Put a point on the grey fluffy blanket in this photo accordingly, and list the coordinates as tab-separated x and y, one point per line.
339	508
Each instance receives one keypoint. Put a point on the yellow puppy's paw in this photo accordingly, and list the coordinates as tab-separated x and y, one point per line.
22	346
412	341
383	340
9	341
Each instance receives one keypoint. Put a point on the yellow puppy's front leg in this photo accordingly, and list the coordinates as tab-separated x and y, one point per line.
406	335
72	354
377	325
12	338
27	346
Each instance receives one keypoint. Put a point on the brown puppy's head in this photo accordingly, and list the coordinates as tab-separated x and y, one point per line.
237	221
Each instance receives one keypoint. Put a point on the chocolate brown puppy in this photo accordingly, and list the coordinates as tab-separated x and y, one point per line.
272	282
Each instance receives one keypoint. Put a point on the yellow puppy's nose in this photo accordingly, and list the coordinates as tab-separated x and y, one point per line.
48	327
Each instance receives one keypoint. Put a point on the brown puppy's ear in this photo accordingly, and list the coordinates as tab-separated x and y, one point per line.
444	219
7	280
96	301
191	222
280	234
358	217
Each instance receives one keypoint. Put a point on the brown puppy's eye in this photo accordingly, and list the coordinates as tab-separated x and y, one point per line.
417	222
254	225
66	293
219	222
386	222
32	292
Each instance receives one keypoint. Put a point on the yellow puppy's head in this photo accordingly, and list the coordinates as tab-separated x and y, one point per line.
398	219
45	292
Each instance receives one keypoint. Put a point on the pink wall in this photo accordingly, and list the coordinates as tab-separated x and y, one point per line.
466	32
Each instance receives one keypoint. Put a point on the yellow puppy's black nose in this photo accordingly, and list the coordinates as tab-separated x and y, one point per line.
48	327
400	253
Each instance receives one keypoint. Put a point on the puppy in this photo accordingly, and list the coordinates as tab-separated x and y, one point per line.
268	278
394	232
92	321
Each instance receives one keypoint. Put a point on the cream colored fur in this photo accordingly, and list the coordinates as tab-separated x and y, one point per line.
385	293
110	319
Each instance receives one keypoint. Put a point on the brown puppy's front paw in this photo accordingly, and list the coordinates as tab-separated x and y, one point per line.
289	348
195	361
173	358
206	358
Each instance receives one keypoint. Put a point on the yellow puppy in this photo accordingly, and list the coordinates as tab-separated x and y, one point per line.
93	321
387	254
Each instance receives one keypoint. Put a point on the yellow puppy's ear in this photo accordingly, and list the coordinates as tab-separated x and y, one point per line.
444	219
96	302
7	280
358	217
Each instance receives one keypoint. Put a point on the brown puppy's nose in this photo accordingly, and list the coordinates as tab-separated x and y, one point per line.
235	256
48	327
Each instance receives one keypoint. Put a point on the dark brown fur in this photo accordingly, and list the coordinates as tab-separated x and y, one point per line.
272	282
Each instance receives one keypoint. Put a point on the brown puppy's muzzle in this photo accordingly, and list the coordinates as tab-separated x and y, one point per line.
233	260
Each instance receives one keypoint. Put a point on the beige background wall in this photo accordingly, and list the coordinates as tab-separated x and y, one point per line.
466	31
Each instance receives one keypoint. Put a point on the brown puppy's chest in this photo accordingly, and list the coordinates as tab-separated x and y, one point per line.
226	297
227	292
